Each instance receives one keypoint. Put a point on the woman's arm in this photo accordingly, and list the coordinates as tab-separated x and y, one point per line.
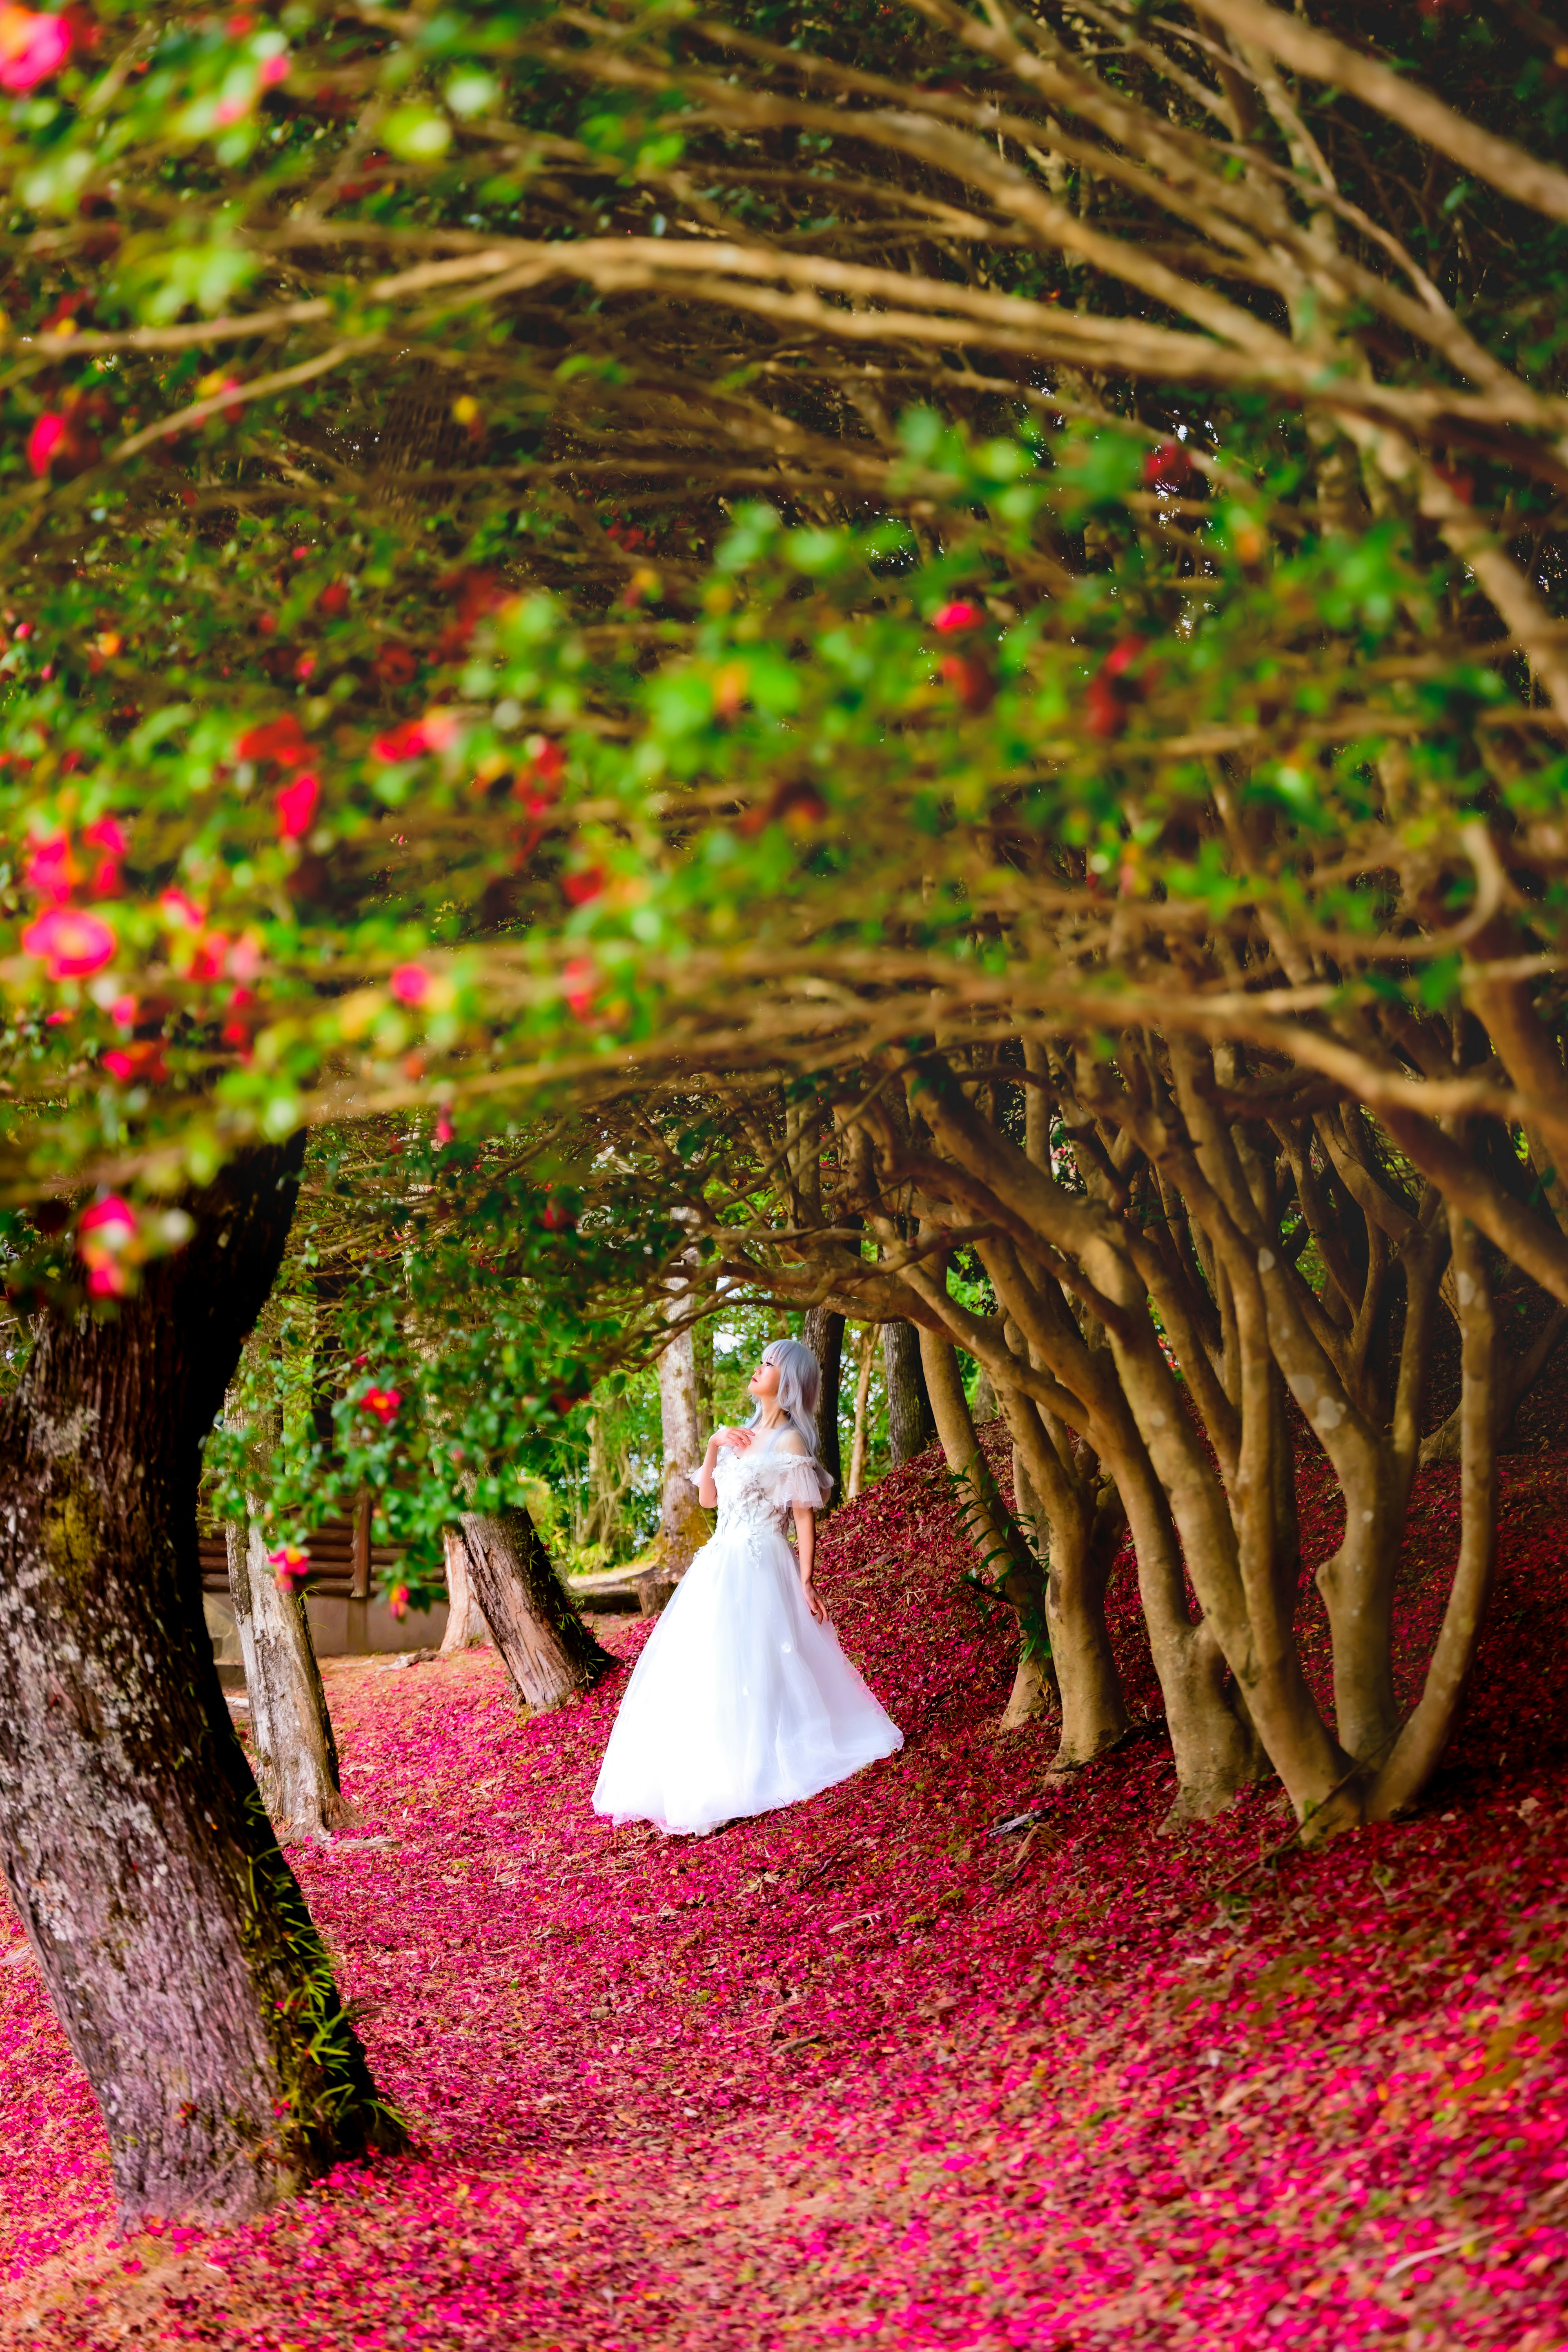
805	1538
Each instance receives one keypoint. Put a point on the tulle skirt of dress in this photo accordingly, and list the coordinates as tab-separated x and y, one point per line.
741	1702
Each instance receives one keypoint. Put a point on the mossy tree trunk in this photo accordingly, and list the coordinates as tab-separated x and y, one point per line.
169	1932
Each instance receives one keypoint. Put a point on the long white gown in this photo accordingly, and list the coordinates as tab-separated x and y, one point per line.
741	1702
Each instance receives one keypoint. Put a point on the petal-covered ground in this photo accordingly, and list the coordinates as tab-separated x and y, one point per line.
865	2072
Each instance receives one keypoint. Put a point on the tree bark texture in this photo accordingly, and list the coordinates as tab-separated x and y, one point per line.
294	1752
822	1332
911	1427
550	1653
1007	1563
866	1352
465	1627
682	1528
1429	1729
169	1932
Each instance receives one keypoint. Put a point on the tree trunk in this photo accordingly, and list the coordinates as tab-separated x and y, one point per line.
867	1347
1427	1731
465	1627
822	1332
1008	1564
296	1757
1515	1379
911	1427
682	1528
169	1932
548	1651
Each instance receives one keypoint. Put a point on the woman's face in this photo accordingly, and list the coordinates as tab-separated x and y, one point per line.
764	1382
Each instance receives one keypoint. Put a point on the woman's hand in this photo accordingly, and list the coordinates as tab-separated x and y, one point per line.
814	1600
739	1438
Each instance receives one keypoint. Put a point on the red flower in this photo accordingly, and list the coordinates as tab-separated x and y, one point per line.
395	666
141	1061
953	618
106	1234
586	884
291	1566
398	1601
416	737
276	738
51	872
61	442
971	680
335	598
579	980
383	1403
72	944
296	806
44	440
445	1132
1113	689
410	983
181	911
212	953
1168	467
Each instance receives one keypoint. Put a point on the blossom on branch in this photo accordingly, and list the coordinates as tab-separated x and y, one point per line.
70	944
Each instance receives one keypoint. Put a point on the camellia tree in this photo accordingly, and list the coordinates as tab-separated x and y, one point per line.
988	581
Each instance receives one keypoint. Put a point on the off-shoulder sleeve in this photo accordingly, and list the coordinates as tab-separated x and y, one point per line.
797	1479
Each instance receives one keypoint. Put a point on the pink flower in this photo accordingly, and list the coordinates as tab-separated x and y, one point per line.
417	736
180	911
31	48
296	805
70	944
445	1130
46	436
410	983
383	1403
112	1220
142	1062
273	71
105	1237
291	1566
122	1013
952	618
398	1603
52	873
579	980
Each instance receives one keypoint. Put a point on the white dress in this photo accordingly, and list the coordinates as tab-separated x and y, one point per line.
741	1702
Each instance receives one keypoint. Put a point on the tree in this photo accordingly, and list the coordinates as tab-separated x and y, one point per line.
548	1652
297	1769
135	1849
822	1332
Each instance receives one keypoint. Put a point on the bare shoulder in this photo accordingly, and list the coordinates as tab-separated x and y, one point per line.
791	1442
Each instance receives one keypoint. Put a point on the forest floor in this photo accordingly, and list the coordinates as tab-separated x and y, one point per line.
865	2072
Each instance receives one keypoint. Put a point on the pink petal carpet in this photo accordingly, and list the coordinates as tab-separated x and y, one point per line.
866	2073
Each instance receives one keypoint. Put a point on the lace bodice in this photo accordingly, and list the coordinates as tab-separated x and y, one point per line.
759	1486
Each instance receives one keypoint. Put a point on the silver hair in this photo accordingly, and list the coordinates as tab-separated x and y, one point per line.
800	1385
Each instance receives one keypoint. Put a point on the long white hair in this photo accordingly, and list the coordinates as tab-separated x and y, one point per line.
800	1385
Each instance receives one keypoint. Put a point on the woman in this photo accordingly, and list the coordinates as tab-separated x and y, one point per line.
743	1700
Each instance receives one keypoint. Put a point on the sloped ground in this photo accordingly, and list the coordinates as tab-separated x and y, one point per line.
861	2073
